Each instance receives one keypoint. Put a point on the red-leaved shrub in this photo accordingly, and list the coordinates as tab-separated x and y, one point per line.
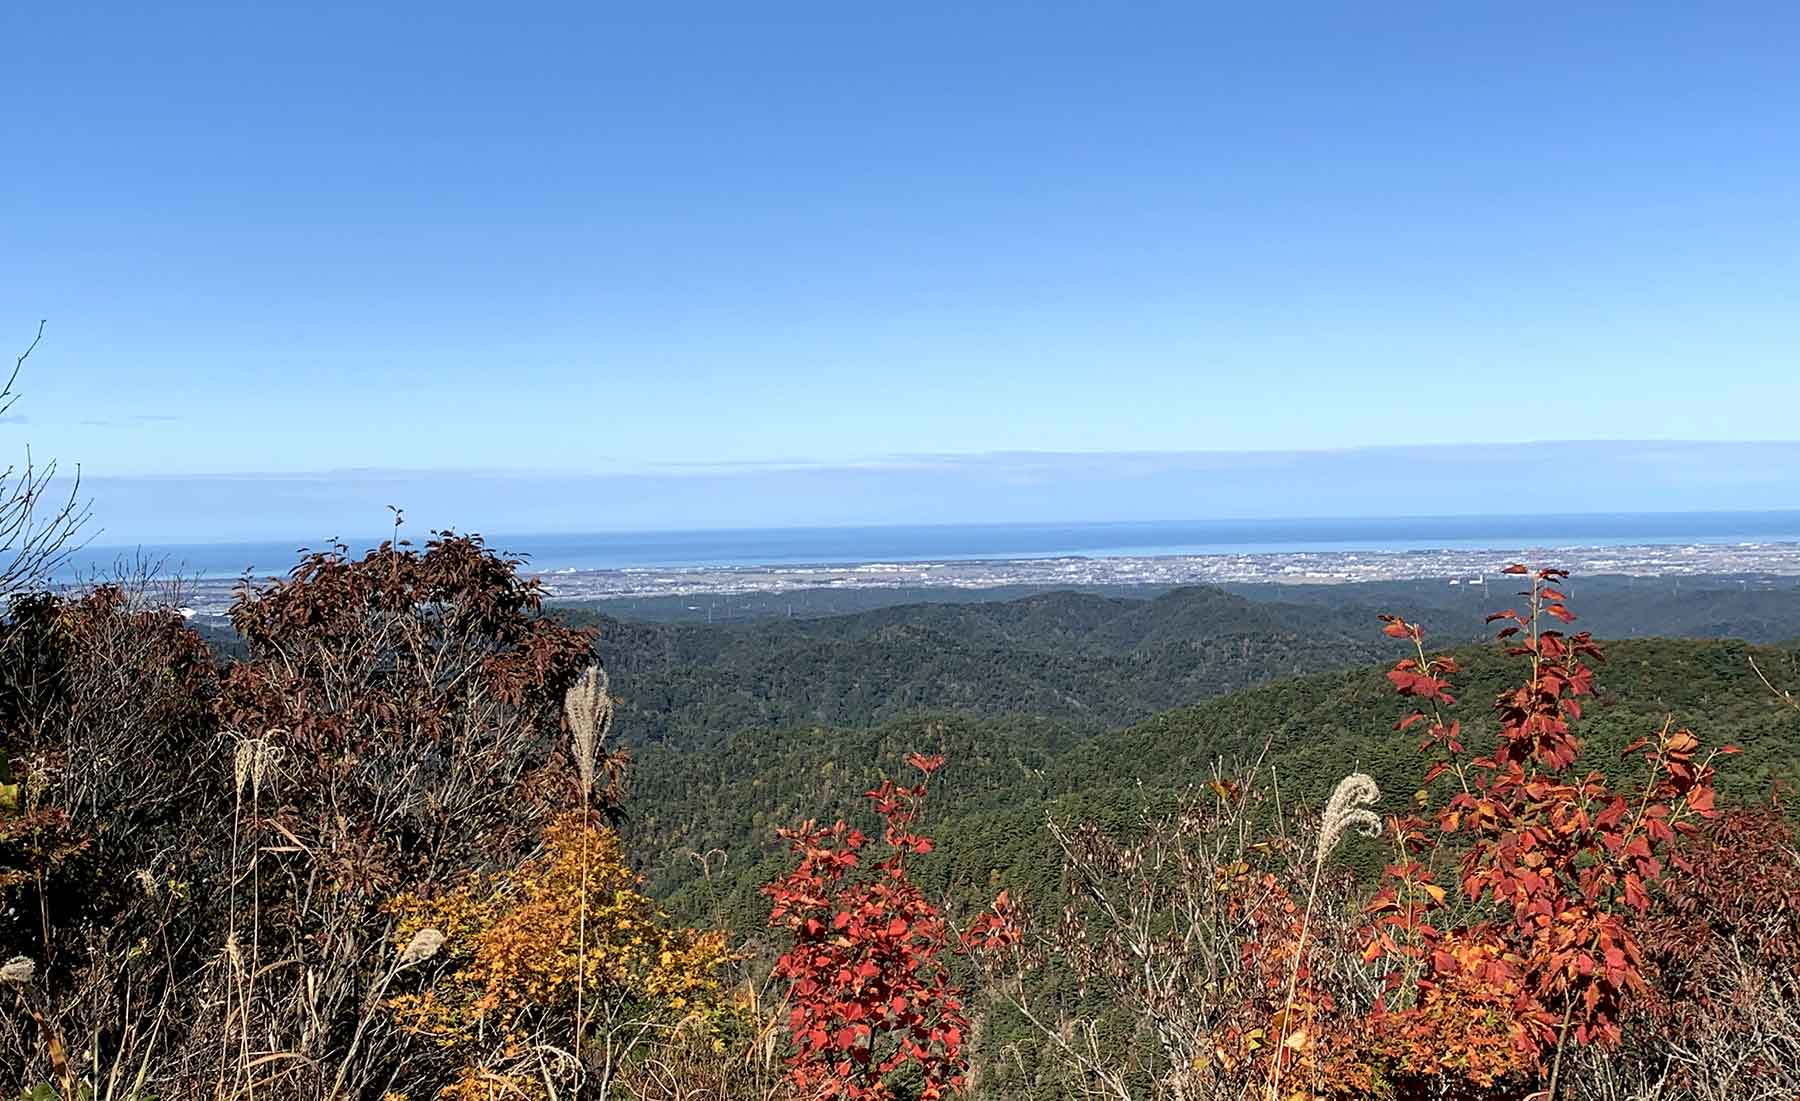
1555	862
869	984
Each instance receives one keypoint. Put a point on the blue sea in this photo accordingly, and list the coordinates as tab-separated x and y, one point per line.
967	542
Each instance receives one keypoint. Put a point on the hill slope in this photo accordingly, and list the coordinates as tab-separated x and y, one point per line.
1006	774
1096	662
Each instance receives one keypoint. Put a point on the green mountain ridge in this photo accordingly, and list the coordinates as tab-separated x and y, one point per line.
1006	774
1095	661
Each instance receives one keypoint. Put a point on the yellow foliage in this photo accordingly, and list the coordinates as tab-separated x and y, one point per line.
520	944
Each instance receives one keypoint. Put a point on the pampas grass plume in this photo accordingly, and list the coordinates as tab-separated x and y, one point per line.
423	945
18	971
1348	811
589	709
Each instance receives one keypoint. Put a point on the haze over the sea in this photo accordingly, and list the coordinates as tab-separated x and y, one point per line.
1055	488
958	542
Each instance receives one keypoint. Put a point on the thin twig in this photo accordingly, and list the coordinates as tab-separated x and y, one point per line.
1781	694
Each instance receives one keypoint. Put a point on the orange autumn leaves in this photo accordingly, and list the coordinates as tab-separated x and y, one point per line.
514	955
1506	931
1554	861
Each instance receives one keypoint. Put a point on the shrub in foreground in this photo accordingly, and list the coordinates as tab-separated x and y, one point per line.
869	990
559	955
372	860
1506	935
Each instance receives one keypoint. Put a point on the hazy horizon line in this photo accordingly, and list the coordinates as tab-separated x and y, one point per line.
1576	478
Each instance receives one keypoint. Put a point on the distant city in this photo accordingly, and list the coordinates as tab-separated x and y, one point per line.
209	597
1456	566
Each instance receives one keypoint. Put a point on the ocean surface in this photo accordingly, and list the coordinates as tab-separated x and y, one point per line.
971	542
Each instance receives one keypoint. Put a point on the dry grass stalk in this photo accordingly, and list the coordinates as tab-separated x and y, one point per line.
589	710
588	707
1346	810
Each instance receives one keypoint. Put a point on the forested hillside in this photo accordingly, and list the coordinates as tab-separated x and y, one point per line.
1091	661
1096	662
1082	704
1004	775
402	840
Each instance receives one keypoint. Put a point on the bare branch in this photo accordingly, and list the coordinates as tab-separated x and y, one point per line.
7	394
1781	694
38	529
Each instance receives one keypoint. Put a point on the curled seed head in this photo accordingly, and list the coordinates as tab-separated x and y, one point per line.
1347	811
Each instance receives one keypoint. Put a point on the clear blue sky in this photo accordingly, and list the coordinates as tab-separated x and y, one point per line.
589	239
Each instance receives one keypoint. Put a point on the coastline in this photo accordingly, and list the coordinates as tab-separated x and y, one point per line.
209	597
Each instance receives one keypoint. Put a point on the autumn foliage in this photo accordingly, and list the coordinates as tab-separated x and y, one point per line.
1724	934
870	994
516	946
201	859
1535	912
379	857
1556	858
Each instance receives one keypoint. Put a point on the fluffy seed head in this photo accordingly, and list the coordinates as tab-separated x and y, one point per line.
589	709
423	945
241	760
253	760
268	759
17	971
1347	811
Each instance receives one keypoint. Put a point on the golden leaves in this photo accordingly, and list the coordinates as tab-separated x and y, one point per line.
518	945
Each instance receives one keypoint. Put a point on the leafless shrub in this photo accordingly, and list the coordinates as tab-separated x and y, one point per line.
39	523
106	700
1754	1058
1183	933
